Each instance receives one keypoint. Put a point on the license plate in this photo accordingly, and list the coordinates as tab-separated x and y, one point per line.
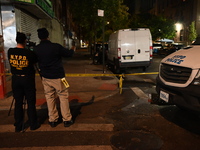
164	96
128	57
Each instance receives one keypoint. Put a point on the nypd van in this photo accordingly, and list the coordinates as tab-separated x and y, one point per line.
178	81
130	48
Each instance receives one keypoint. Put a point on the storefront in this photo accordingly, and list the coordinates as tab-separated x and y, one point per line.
23	16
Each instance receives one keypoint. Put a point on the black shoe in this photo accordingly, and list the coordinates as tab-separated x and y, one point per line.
68	123
53	124
18	129
34	127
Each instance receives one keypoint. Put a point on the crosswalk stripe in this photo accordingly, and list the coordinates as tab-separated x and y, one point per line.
148	80
139	92
81	147
60	127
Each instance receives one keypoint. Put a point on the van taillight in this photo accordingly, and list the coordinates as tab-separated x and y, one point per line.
119	53
151	51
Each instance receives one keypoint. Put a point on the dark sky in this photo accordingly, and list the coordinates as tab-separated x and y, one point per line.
130	4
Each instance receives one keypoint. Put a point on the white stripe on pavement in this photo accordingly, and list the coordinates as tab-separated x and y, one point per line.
60	127
148	80
139	92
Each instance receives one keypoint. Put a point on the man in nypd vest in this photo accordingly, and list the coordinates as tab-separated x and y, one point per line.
23	82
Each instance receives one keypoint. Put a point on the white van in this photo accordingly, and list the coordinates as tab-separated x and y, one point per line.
178	81
130	48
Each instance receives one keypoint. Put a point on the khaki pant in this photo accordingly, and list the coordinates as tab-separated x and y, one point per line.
53	87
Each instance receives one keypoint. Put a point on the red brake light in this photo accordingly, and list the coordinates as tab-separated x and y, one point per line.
151	51
119	53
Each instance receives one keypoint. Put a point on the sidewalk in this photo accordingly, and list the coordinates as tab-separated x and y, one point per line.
87	82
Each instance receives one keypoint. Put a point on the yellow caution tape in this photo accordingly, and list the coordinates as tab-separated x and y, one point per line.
89	75
120	83
93	75
141	73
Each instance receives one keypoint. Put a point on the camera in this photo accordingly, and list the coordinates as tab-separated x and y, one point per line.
29	45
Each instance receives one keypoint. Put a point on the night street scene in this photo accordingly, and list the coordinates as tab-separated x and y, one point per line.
99	74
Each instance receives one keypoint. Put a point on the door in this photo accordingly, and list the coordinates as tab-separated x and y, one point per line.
127	46
142	45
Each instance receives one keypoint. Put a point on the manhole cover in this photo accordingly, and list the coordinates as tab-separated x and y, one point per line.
130	140
103	78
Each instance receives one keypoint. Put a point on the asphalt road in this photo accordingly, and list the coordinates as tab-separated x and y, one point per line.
123	121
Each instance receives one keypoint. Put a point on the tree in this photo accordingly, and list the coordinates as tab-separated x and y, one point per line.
85	16
192	32
159	26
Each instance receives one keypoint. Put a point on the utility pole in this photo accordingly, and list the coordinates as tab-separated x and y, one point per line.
101	14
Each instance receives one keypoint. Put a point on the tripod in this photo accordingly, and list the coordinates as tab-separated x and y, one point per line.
24	108
11	106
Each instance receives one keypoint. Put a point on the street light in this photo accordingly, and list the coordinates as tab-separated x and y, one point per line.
178	26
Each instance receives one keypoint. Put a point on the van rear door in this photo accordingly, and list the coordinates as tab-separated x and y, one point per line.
127	45
142	45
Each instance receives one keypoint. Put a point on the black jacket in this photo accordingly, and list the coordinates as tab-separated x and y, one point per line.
50	59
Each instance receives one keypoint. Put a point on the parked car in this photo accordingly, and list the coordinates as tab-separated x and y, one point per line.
171	48
99	47
178	46
98	54
156	48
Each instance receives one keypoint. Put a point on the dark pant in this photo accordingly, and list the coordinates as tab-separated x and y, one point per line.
24	89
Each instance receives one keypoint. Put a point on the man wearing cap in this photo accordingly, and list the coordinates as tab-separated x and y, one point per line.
22	63
51	69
